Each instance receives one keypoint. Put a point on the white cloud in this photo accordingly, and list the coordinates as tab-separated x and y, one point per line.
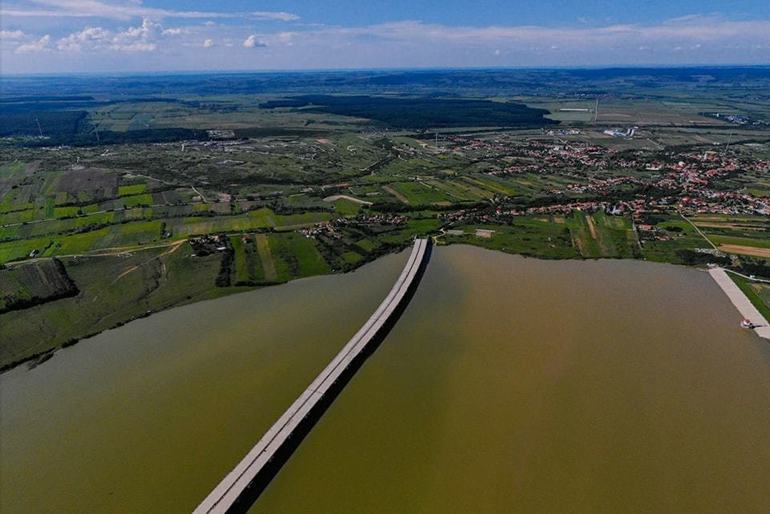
253	42
688	31
88	36
11	35
141	38
146	30
41	45
174	31
700	39
124	10
285	38
276	16
136	46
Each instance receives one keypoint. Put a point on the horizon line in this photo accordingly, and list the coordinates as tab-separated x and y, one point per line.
6	75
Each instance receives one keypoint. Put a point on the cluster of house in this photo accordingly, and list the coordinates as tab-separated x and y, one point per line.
687	182
208	244
737	119
333	228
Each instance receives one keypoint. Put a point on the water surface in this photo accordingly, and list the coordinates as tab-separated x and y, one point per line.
517	385
149	417
508	385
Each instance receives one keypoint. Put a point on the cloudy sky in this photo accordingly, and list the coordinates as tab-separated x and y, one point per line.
55	36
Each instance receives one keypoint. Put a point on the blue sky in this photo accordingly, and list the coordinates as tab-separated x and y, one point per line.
40	36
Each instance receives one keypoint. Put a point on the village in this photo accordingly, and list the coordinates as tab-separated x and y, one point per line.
616	182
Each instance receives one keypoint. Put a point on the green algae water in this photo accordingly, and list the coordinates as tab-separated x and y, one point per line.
508	385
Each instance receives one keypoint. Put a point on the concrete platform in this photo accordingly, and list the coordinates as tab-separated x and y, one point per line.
741	302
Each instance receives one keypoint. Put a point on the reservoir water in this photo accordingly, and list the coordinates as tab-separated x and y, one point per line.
508	385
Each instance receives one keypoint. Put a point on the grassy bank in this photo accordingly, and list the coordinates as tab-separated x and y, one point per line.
757	293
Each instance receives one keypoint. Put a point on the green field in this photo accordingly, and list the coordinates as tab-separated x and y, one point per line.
34	283
295	256
672	236
248	269
113	290
345	207
751	232
254	220
245	176
531	236
421	193
599	235
414	227
131	190
758	293
137	200
755	242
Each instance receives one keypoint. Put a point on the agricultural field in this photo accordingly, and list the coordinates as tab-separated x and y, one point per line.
263	259
183	189
739	235
111	290
295	256
666	237
248	269
598	235
535	237
419	193
579	235
34	283
345	207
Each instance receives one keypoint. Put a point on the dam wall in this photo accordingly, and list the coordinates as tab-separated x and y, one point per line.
240	488
741	302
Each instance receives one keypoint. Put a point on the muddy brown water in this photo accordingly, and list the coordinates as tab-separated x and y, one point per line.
508	385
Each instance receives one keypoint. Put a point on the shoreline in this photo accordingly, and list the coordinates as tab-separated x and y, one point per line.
741	302
42	356
33	360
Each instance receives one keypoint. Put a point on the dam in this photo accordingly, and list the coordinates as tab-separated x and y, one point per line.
741	302
240	488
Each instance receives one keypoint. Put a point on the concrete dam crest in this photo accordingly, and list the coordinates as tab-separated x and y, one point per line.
242	486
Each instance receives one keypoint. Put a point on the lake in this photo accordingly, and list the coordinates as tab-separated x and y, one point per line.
508	385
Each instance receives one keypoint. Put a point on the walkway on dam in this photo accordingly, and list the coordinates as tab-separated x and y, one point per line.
743	304
229	495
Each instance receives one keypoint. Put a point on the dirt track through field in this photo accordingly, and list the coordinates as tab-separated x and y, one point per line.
171	250
395	193
592	227
334	198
